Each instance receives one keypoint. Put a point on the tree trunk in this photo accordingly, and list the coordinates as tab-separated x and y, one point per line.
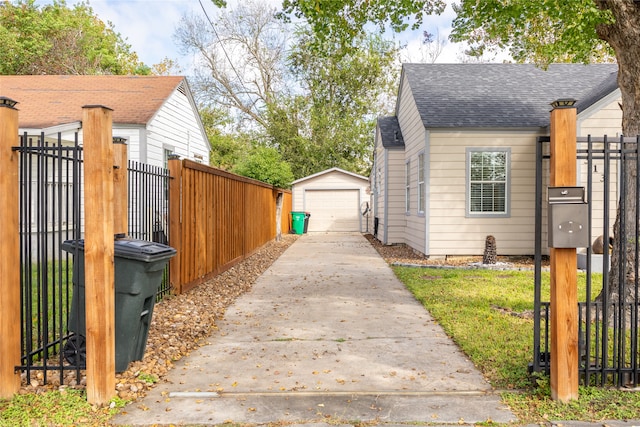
624	35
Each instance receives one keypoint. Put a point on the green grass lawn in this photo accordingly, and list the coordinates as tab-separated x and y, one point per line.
66	407
476	308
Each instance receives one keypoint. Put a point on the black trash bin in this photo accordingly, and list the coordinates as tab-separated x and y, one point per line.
138	269
307	215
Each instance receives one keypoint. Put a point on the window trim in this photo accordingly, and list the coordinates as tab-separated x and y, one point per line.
507	211
407	187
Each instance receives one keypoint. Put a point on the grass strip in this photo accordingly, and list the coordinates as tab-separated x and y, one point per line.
488	313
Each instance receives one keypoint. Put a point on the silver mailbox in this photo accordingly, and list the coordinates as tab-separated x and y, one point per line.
568	218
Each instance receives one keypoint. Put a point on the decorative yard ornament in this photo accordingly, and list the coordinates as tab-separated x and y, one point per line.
490	251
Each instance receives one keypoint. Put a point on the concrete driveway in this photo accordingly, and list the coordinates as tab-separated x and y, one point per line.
327	334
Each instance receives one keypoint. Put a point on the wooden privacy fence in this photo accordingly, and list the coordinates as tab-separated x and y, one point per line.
218	219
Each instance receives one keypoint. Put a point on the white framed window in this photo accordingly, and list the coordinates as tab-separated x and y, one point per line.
167	151
407	187
421	184
488	184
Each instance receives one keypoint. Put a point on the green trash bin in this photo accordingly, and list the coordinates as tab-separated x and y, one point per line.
297	222
138	269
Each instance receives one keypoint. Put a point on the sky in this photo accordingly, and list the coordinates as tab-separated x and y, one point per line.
148	26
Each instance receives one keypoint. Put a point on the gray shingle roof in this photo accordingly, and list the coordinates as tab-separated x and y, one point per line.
390	132
501	95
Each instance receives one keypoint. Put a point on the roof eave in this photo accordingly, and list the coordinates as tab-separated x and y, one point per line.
48	130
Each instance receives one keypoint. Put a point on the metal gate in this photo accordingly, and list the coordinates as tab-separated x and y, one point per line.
51	197
608	340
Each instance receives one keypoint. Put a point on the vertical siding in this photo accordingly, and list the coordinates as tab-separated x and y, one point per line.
414	135
451	232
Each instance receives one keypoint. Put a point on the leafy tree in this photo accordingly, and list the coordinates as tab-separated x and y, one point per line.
241	59
166	67
265	164
54	39
227	148
344	21
333	124
548	31
316	107
541	32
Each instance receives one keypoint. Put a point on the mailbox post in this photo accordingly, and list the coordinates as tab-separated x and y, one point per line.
564	227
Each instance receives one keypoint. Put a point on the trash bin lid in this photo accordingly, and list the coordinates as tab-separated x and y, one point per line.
141	250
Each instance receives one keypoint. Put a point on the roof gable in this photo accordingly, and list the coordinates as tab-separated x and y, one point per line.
45	101
328	171
501	95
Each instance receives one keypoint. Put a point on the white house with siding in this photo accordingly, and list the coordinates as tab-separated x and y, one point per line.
336	199
157	115
457	161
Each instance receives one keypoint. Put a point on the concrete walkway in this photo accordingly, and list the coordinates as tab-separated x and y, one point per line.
326	335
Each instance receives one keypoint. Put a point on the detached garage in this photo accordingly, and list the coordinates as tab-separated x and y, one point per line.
335	198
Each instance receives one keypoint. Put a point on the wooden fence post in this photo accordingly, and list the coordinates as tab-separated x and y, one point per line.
279	198
563	262
175	223
120	187
99	252
9	251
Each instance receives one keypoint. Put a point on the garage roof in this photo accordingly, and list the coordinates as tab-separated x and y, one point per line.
315	175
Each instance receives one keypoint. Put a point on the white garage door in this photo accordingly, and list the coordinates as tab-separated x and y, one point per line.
333	210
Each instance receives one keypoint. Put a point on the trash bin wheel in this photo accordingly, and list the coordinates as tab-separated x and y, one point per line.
75	351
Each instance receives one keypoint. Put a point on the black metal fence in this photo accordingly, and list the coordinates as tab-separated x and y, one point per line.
51	199
608	341
149	209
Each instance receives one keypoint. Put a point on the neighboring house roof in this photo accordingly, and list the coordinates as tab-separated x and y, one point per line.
500	95
390	132
315	175
46	101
